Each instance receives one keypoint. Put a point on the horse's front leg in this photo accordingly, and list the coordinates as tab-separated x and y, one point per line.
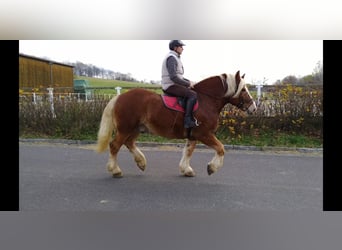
184	163
217	161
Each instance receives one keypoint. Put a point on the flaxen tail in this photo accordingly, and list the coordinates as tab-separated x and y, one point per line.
107	126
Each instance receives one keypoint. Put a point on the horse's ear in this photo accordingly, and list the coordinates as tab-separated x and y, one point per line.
237	77
243	76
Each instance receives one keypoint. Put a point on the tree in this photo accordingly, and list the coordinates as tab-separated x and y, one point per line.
290	80
317	73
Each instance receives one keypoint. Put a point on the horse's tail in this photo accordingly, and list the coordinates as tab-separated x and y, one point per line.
107	127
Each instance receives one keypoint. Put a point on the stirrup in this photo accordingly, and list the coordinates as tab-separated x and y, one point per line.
193	121
196	122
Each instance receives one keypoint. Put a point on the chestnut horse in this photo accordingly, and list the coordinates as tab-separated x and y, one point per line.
125	114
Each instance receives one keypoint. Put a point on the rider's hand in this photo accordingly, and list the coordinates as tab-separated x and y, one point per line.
192	84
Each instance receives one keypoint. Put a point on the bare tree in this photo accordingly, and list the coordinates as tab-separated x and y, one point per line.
318	73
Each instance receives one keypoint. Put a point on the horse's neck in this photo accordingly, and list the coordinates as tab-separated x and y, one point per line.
213	87
212	105
212	94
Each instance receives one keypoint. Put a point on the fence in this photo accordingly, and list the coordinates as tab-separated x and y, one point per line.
270	104
76	117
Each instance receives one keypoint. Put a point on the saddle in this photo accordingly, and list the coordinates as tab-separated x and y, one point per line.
176	103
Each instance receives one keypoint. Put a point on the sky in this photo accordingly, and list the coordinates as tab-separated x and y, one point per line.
263	61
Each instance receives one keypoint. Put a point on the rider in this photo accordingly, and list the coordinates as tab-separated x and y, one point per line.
173	82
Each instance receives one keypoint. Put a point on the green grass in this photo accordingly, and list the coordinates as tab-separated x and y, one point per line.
112	84
270	140
264	140
274	140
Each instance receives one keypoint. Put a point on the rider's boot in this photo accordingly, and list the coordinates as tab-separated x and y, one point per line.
189	121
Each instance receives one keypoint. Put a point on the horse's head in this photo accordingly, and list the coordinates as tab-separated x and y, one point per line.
242	98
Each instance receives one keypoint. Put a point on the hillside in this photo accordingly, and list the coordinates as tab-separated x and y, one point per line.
104	83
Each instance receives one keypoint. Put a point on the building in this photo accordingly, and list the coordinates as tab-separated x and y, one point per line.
37	73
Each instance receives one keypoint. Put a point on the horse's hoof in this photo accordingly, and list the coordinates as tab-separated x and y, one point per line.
118	175
189	174
209	169
141	167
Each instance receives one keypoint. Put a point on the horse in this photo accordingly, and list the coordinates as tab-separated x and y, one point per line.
125	115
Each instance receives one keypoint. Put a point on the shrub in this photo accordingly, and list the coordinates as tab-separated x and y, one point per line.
289	110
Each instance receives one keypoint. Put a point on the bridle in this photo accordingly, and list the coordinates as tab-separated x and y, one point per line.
241	101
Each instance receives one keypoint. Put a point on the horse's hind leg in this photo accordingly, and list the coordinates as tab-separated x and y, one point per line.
139	157
114	147
184	164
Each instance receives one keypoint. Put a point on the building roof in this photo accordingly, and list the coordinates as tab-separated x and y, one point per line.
45	60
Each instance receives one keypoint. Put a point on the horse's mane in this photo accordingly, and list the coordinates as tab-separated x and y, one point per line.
211	86
232	86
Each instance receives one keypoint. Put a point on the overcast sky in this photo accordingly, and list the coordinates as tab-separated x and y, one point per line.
259	59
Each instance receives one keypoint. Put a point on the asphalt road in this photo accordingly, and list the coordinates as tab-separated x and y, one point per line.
58	177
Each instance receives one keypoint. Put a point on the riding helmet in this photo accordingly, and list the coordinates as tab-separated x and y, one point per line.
175	43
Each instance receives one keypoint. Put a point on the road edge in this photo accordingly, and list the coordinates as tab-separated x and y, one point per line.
179	145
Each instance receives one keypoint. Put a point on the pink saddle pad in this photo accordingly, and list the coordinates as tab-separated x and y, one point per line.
171	102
